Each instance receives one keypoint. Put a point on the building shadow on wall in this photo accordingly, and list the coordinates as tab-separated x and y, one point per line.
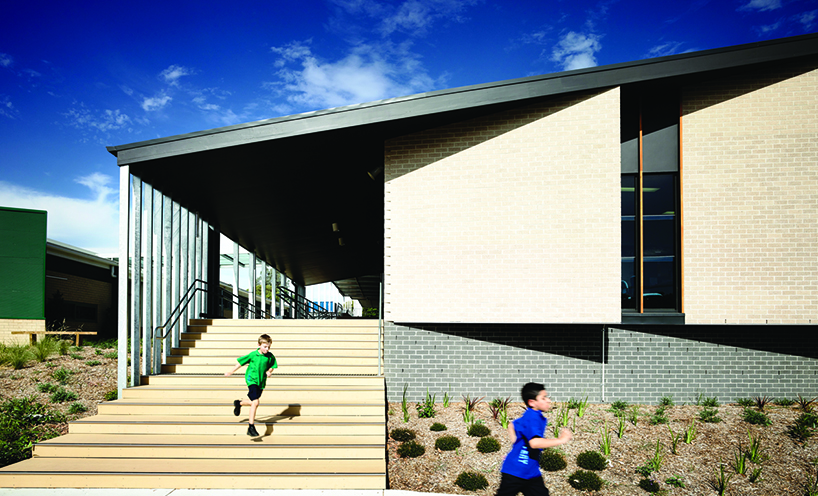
582	342
450	138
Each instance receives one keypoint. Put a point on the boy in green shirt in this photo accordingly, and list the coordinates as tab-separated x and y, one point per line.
260	364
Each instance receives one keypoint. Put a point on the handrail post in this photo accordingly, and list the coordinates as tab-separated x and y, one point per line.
380	324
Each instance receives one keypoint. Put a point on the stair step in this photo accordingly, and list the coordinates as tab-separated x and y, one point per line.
305	382
194	473
203	407
212	446
229	425
228	361
287	368
300	350
243	347
277	394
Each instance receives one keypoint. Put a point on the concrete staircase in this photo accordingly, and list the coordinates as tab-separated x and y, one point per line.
322	418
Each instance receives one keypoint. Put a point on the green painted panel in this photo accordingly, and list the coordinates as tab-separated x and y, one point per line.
22	263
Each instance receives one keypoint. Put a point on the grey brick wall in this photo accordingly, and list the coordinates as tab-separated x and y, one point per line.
640	365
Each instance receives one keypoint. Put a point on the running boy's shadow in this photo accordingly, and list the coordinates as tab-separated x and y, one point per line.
288	413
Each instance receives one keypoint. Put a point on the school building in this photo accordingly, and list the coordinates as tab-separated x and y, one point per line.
622	232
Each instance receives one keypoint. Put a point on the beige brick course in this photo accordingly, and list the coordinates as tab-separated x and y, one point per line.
9	325
508	218
750	175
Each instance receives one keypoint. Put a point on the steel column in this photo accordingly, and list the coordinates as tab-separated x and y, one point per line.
122	286
136	280
176	268
147	307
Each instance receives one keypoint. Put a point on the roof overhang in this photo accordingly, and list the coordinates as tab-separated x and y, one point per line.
277	186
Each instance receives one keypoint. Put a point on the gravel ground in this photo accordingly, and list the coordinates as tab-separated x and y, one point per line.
787	469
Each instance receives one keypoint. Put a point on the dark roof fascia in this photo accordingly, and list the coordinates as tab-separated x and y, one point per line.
467	97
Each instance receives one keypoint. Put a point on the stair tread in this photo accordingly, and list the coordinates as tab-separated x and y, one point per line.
197	440
180	466
231	419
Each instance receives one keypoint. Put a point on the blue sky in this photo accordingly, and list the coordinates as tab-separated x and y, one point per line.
77	76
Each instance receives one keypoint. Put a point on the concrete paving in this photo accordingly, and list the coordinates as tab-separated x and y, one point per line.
205	492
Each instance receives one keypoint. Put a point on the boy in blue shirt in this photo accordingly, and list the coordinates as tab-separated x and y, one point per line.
260	364
521	468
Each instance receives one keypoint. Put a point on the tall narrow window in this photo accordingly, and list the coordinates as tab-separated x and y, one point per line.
650	201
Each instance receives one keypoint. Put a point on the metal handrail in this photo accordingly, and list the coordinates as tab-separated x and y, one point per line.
180	308
304	307
251	307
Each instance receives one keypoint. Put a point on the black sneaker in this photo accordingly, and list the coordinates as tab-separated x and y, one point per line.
237	408
251	430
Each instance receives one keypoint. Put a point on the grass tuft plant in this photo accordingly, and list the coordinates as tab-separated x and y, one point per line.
488	444
411	449
61	395
61	375
755	417
44	348
585	480
740	461
469	404
666	401
471	481
805	404
674	439
755	452
402	435
447	443
17	356
552	460
709	415
761	402
592	460
404	404
605	440
719	481
659	416
77	407
690	432
675	481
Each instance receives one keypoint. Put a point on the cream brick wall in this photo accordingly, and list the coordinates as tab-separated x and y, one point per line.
750	151
511	218
9	325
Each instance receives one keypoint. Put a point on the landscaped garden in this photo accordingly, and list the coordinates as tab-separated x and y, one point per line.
677	446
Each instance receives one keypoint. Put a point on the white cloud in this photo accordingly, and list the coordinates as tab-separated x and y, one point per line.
6	60
7	108
768	28
91	224
172	74
807	19
155	103
576	50
761	5
367	73
108	120
669	48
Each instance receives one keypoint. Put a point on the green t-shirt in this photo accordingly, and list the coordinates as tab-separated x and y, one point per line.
257	365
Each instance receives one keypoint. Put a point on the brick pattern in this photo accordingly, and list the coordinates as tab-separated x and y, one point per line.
9	325
495	361
750	176
514	215
84	290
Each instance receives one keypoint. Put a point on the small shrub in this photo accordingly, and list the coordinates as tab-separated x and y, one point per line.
783	402
17	356
437	427
666	400
44	348
488	444
744	402
756	417
447	443
61	395
471	481
61	375
709	415
478	430
98	352
93	363
650	485
111	355
712	402
584	480
46	387
23	422
619	405
552	460
77	407
111	395
402	435
803	427
592	460
411	449
675	481
659	417
426	409
75	356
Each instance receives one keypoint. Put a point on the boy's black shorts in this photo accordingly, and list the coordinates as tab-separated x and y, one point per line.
511	485
253	392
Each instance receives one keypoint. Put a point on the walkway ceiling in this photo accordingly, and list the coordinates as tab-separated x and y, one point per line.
277	186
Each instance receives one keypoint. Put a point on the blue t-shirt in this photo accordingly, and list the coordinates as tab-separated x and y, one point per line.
519	461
